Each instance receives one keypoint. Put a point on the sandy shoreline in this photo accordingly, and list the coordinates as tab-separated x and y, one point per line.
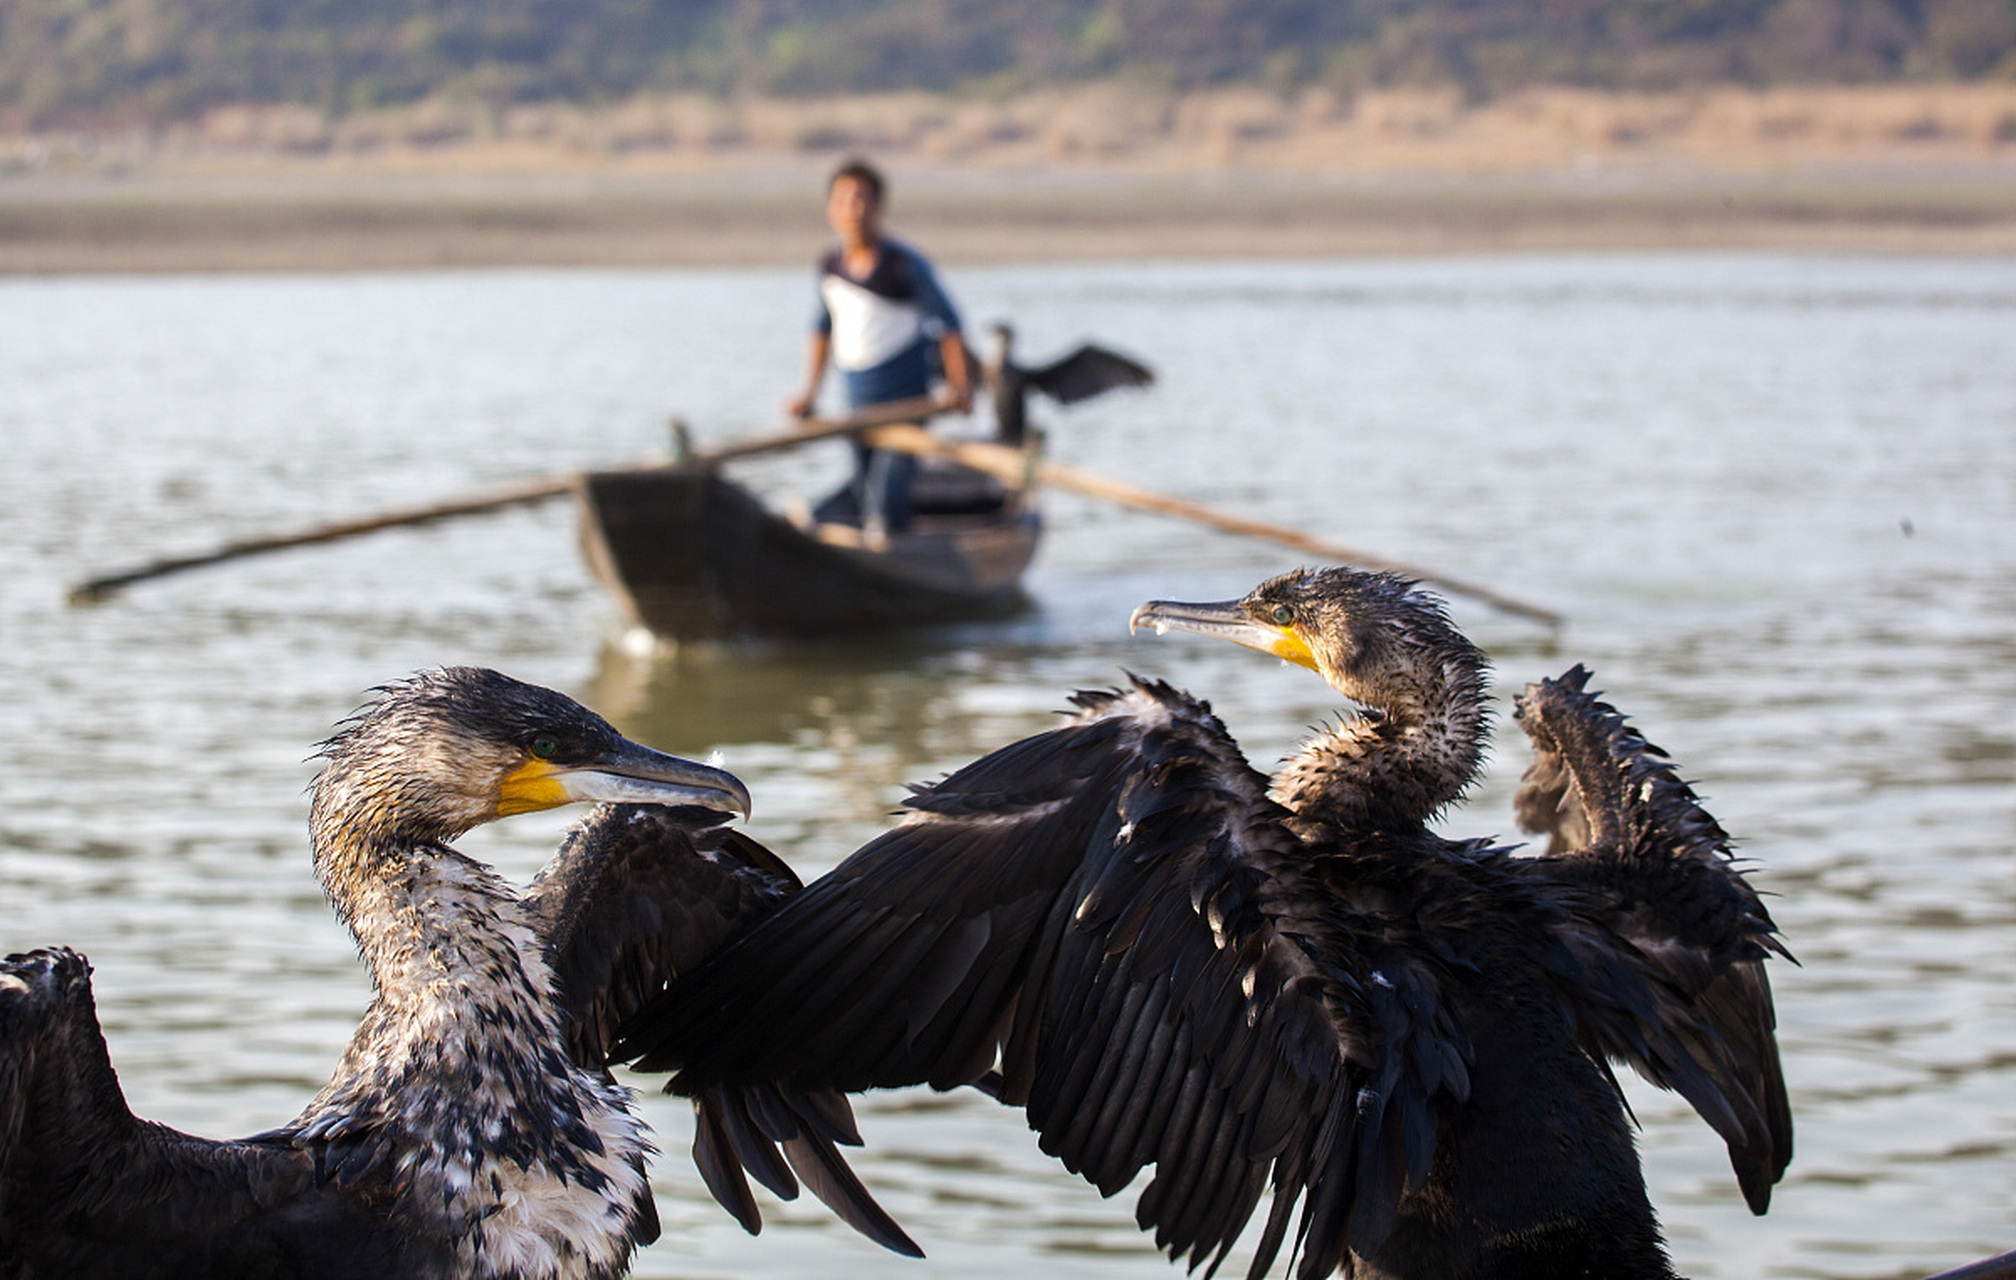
1093	173
330	222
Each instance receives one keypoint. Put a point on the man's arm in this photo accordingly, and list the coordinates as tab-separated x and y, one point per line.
816	352
952	355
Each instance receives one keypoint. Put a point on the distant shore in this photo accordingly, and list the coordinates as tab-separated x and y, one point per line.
1885	170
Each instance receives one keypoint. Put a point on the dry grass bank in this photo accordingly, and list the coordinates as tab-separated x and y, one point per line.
1092	172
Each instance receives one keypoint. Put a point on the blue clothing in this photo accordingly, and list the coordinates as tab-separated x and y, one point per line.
885	327
909	372
885	331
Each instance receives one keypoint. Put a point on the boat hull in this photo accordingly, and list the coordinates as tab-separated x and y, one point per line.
689	554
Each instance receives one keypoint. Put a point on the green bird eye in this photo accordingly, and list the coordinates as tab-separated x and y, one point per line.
1283	615
545	746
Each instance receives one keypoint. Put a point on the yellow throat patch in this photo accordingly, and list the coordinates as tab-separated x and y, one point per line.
531	787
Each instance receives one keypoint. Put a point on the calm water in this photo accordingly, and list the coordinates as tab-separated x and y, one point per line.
1775	495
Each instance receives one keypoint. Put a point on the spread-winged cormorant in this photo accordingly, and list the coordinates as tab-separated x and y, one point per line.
1087	371
1293	983
471	1128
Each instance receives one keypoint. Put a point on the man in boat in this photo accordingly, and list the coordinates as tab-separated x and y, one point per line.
885	323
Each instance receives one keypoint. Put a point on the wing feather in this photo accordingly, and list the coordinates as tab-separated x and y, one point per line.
1650	865
1111	908
639	894
87	1188
1086	372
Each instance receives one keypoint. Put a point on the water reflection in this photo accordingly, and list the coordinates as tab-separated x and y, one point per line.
694	697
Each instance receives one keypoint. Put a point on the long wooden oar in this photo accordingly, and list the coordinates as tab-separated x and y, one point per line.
914	410
1012	466
890	426
514	495
489	500
2000	1267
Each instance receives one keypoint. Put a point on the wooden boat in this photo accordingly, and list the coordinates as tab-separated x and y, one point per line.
690	554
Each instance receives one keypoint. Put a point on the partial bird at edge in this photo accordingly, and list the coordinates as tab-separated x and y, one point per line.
472	1127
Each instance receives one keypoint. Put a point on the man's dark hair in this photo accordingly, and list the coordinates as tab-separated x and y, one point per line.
862	172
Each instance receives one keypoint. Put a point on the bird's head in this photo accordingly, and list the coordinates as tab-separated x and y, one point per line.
1375	637
450	749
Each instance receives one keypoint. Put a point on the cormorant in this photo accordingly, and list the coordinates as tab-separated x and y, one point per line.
1293	982
1088	371
471	1128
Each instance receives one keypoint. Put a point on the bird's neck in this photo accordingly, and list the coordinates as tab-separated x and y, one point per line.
438	925
432	924
522	1156
1394	767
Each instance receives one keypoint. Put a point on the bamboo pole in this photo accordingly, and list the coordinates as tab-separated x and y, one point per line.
891	426
514	495
2000	1267
1012	467
911	411
490	500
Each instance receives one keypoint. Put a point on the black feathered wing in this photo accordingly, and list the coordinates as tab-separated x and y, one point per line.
1086	372
636	896
1650	865
87	1188
1106	909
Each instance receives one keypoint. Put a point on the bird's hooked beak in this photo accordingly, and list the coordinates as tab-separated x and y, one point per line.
1227	620
626	773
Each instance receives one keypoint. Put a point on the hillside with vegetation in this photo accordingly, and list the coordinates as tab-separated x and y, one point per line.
137	63
194	135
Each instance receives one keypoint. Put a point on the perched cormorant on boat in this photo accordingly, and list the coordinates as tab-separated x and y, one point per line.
1293	982
1087	371
471	1128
